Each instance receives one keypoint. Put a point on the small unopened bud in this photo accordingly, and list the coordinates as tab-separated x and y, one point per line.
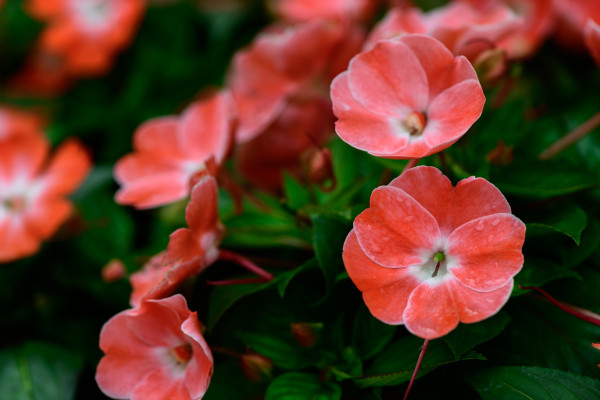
318	167
113	271
256	367
304	333
490	66
501	155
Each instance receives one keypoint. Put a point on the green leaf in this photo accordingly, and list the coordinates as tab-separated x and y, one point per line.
467	336
283	350
508	383
590	239
302	386
543	180
396	363
370	335
284	279
38	371
330	231
538	271
566	218
296	194
223	297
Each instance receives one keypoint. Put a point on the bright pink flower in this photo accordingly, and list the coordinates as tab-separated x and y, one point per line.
189	252
171	152
463	29
592	40
155	352
428	255
33	199
87	34
287	64
308	10
407	97
300	128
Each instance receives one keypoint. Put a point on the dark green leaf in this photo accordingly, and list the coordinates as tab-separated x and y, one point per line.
302	386
517	383
566	218
284	279
467	336
38	371
370	335
538	271
223	297
330	231
296	193
283	350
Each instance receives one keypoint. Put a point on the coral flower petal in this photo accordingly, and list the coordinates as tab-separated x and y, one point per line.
485	253
199	370
160	384
453	111
378	84
474	306
46	215
68	168
202	212
431	311
396	231
355	122
157	138
161	327
153	191
15	240
206	128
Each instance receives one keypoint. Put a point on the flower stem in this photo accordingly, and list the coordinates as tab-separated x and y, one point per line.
419	361
412	163
225	255
571	137
580	313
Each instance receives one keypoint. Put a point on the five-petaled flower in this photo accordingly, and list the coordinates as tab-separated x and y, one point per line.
34	190
428	255
407	97
155	352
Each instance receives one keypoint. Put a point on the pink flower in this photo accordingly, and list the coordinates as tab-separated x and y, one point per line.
592	40
463	29
572	17
87	34
407	97
189	252
307	10
428	255
154	352
15	122
285	65
33	199
171	152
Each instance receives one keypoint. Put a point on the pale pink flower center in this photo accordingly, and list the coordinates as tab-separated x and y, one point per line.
182	354
415	123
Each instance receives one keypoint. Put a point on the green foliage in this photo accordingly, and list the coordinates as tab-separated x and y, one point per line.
302	386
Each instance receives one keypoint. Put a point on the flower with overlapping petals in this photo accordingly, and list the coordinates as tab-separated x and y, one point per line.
189	252
34	189
308	10
429	255
407	97
171	152
15	122
155	352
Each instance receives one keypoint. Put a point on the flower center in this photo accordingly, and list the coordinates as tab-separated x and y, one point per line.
182	354
15	204
415	123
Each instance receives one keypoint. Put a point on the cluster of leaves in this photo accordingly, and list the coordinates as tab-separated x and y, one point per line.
55	302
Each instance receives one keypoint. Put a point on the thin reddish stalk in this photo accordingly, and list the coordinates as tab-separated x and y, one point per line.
225	255
412	163
416	371
575	311
571	137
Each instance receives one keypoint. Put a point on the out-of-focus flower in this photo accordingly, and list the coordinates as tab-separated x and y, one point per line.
171	152
300	128
572	17
33	193
463	29
428	255
155	352
87	34
285	65
113	271
408	97
592	40
42	75
189	252
335	10
15	122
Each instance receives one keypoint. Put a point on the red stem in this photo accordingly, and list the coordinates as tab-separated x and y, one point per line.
225	255
571	137
419	361
575	311
412	163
